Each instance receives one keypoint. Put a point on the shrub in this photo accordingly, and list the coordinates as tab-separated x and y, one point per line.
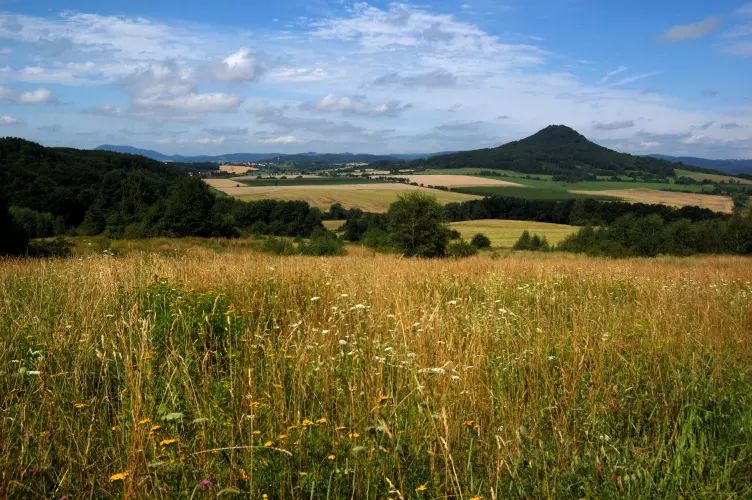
480	241
322	243
279	246
459	249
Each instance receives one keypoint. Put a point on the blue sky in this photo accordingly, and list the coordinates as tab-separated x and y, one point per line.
332	76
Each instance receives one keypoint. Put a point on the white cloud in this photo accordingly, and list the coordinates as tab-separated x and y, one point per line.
283	139
240	66
9	120
38	96
683	32
694	138
359	106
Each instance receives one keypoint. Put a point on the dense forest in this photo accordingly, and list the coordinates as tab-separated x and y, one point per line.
575	212
559	151
59	191
632	235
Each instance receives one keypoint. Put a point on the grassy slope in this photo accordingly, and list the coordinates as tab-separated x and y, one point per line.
699	176
504	233
530	376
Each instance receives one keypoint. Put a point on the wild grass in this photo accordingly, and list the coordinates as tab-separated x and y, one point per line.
373	376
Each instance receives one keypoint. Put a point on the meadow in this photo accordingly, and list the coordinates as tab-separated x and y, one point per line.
505	233
220	371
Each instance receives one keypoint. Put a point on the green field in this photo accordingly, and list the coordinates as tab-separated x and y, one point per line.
504	233
698	176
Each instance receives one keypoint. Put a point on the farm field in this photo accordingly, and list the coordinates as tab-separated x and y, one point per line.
236	169
374	376
371	197
306	181
713	202
504	233
453	181
698	176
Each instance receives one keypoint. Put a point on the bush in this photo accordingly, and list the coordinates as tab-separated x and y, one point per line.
59	247
377	239
535	242
35	224
459	249
322	243
480	241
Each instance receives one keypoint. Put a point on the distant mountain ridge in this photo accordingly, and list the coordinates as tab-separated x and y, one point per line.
323	158
728	166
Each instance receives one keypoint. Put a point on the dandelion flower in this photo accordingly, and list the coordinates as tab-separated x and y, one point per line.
422	487
78	406
167	442
353	435
120	476
331	457
322	420
268	444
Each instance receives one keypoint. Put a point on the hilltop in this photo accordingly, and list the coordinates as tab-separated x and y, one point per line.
560	151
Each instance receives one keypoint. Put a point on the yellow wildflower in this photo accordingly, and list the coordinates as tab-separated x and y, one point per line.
422	487
331	457
469	422
322	420
78	406
166	442
268	444
353	435
340	428
120	476
115	427
307	422
144	421
282	437
255	433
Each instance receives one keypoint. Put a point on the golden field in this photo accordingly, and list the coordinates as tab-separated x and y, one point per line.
229	372
713	202
505	233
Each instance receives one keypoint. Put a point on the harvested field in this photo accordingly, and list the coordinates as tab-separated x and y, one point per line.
504	233
670	198
222	184
368	197
451	181
236	169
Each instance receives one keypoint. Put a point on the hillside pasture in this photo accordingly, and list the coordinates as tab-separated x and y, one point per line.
717	203
505	233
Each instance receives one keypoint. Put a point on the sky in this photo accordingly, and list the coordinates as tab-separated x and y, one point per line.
185	77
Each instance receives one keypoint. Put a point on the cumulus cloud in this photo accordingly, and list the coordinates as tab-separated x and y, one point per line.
357	105
105	110
240	66
438	78
38	96
616	125
682	32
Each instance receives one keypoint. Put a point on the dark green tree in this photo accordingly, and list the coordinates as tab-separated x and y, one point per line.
189	210
416	226
480	241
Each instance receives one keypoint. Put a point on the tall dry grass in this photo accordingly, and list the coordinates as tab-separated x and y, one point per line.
373	376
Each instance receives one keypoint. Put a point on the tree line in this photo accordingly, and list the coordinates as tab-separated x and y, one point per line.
59	191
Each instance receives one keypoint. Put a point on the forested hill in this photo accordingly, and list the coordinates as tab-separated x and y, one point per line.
556	150
68	182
